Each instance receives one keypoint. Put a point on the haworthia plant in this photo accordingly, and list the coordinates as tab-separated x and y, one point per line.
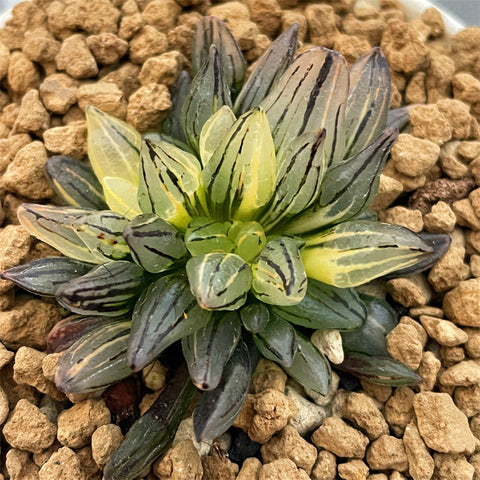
234	233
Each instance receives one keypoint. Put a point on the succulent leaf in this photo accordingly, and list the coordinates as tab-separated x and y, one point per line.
239	179
45	275
109	289
249	239
399	117
204	235
310	368
75	182
121	196
96	360
255	316
325	307
170	179
279	276
213	31
355	252
208	349
269	68
217	409
208	93
165	312
220	281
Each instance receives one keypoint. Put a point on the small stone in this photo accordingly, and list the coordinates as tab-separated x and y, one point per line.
28	428
412	291
353	470
428	370
282	469
461	303
268	374
387	453
19	466
329	342
154	376
162	14
351	47
450	356
325	467
466	399
163	69
125	77
181	462
218	467
22	73
130	25
441	219
106	96
181	37
341	439
465	214
457	114
58	92
415	91
443	332
105	440
107	48
69	140
4	59
322	24
462	374
62	465
405	345
466	88
32	116
5	356
456	466
9	147
472	346
370	30
398	410
250	469
147	43
75	58
443	427
4	407
429	123
380	393
309	416
420	462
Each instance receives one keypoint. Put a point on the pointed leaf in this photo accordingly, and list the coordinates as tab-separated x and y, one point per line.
109	289
217	409
53	225
220	281
255	317
172	125
204	235
399	117
279	277
45	275
311	95
269	68
208	92
310	368
75	182
165	312
249	239
355	252
325	307
154	243
207	350
121	196
212	31
169	183
96	360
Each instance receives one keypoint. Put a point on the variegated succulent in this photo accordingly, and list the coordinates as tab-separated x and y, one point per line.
237	231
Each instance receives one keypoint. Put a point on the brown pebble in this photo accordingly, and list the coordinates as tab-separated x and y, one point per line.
181	462
398	410
105	440
456	466
147	43
325	467
107	48
405	345
58	92
40	46
62	465
461	303
218	467
462	374
466	399
69	140
282	469
443	331
22	73
353	470
420	462
429	123
76	59
268	374
163	69
428	370
20	466
106	96
32	116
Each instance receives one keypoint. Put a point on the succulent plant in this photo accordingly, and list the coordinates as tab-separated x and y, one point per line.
235	233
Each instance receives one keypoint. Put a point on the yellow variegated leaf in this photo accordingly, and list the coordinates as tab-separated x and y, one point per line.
121	196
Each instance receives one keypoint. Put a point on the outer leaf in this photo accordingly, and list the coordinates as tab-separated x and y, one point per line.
154	243
53	225
240	177
310	368
348	188
75	182
172	125
121	196
220	281
153	432
45	275
249	239
102	233
109	289
208	92
169	182
165	312
217	409
96	360
325	307
368	102
310	95
279	277
255	317
355	252
208	349
379	370
277	341
113	146
399	117
212	31
269	68
204	235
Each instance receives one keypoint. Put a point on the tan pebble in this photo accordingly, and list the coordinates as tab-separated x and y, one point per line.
377	476
474	197
415	91
74	114
422	334
28	428
472	346
351	47
289	17
466	399
4	407
62	465
329	342
426	310
404	217
268	374
450	163
22	73
147	401
420	462
69	140
461	304
219	466
448	465
387	453
408	183
443	332
89	467
58	92
9	114
466	88
475	265
441	219
5	356
107	48
450	356
163	69
76	59
147	43
4	59
125	77
154	376
181	37
282	469
250	469
129	7
32	116
468	150
105	440
457	114
411	291
19	465
475	425
429	123
130	25
389	190
398	410
353	470
433	18
181	462
40	46
450	270
472	240
162	14
462	374
322	24
40	458
106	96
428	370
440	72
341	439
464	48
77	424
465	214
380	393
443	427
405	345
370	29
230	11
185	432
289	444
266	14
17	391
325	467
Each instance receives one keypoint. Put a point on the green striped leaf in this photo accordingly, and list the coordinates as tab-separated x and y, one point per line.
75	182
102	233
300	170
204	235
109	289
209	91
356	252
310	368
348	188
311	95
269	68
239	179
154	244
45	275
169	182
249	239
121	196
208	349
165	312
325	307
368	102
96	360
220	281
212	31
53	225
255	317
279	277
